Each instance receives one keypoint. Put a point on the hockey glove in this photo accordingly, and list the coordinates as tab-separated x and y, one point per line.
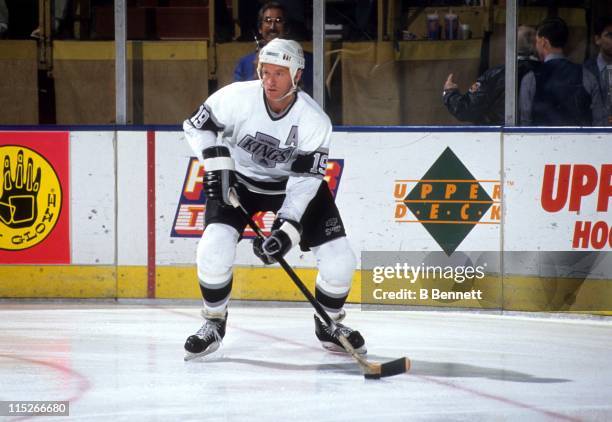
220	177
285	235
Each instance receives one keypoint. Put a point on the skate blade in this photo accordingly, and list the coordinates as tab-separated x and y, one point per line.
333	347
192	356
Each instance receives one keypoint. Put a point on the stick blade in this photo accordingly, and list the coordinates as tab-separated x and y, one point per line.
372	371
388	369
395	367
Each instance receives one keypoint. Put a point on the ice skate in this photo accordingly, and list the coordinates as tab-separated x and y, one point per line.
208	338
330	340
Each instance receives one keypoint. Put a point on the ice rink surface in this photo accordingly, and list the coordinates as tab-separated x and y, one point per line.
117	361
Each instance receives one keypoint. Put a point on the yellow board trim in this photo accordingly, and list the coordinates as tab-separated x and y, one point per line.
51	281
144	50
250	283
132	282
439	50
519	293
18	50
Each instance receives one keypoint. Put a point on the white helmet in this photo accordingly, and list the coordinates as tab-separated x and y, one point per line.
286	53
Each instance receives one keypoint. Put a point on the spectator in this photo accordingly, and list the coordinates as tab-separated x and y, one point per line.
484	103
4	15
271	23
598	65
559	92
296	18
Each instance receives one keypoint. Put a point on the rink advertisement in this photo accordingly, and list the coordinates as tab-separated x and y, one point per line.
448	201
541	225
189	217
421	191
34	216
557	231
558	192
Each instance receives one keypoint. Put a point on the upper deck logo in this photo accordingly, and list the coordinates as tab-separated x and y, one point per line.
30	198
448	201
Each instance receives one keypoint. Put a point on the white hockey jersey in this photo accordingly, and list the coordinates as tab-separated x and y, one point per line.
291	147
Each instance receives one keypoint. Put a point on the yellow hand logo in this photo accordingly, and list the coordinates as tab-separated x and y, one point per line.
18	205
30	197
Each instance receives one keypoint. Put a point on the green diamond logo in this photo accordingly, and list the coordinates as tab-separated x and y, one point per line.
448	201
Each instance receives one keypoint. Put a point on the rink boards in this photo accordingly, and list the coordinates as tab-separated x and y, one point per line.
119	213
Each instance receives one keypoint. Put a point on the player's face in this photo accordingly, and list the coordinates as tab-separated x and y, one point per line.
272	24
276	81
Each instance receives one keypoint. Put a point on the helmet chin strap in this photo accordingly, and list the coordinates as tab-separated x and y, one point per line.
292	90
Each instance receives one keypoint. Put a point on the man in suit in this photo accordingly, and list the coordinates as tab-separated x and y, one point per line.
559	92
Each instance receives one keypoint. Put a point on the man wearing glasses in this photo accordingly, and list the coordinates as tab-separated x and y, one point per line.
601	66
271	23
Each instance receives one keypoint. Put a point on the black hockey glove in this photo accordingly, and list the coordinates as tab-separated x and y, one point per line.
285	235
220	177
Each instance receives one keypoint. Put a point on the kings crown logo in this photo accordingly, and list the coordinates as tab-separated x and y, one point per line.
30	198
265	150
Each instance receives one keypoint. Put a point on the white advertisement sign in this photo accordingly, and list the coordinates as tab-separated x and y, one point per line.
132	245
92	202
418	191
558	191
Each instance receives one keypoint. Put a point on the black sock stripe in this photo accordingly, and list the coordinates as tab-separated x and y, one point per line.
216	295
329	302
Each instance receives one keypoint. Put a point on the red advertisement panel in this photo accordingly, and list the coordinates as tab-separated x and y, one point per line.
34	198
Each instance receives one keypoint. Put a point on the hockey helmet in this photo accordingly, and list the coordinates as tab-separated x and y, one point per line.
281	52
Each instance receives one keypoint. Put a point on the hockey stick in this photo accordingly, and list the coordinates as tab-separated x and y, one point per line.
373	370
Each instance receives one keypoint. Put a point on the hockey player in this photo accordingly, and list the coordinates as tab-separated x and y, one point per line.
271	153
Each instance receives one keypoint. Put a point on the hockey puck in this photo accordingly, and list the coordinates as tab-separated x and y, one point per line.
372	376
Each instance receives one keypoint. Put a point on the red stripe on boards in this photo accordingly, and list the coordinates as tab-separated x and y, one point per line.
151	279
